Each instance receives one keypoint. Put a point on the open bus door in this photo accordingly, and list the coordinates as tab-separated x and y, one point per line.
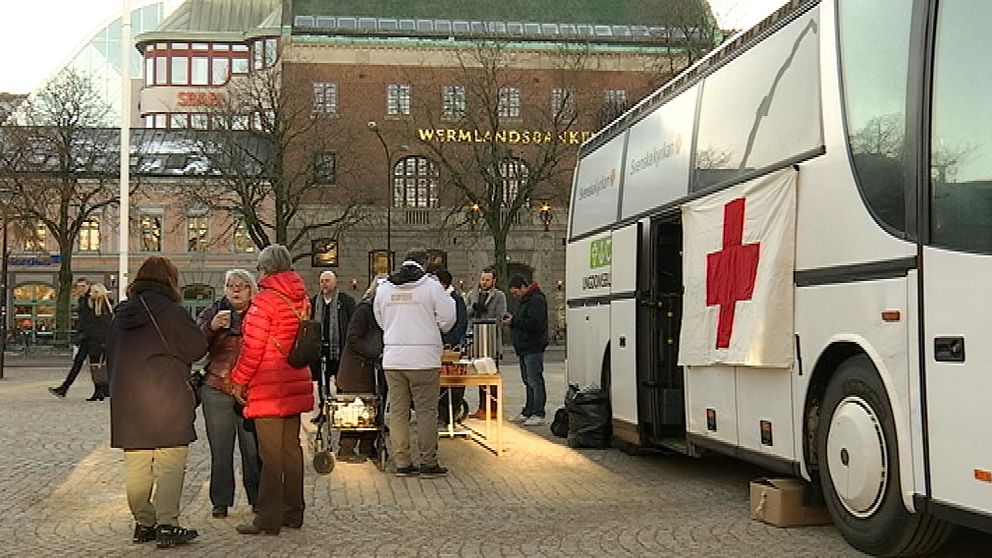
661	395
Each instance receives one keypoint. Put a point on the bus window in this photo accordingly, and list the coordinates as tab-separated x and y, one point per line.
762	108
875	100
961	148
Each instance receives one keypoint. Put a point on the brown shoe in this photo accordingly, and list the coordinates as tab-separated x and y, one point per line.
480	414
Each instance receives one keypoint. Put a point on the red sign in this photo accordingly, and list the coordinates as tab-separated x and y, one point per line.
199	99
730	273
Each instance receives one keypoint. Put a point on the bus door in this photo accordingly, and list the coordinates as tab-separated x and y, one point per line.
957	264
623	333
660	380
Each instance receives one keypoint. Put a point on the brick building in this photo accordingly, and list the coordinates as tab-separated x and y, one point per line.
429	136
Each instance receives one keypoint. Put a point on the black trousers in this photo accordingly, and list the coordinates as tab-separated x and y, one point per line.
77	365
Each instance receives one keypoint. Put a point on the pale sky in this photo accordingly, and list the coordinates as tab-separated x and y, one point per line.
52	30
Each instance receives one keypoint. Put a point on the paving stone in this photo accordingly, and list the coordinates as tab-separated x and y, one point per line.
63	495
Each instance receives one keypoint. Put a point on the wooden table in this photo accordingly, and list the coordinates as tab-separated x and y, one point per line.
493	424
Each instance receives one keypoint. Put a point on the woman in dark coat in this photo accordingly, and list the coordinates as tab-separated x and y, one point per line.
151	344
221	323
95	324
356	373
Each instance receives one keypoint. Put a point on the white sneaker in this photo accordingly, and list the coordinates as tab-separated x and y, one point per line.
534	421
519	418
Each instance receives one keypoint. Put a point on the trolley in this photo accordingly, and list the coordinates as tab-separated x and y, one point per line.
352	413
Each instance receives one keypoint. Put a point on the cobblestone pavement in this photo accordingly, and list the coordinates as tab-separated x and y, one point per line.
61	493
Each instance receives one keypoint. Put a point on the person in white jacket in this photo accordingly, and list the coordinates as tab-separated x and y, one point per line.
412	308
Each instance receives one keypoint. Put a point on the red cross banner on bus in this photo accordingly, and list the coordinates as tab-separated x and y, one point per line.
739	249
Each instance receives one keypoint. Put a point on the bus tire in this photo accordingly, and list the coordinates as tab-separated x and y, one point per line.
859	467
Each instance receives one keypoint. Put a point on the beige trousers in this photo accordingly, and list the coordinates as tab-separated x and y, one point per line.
422	387
161	471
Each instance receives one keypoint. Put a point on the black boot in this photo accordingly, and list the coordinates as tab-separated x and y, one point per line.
97	396
168	535
57	392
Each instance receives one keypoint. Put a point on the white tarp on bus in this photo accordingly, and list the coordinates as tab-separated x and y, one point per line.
739	248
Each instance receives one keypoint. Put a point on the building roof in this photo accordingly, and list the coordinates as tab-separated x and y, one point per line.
218	20
154	153
612	12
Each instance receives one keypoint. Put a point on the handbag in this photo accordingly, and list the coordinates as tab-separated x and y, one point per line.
98	371
306	343
189	379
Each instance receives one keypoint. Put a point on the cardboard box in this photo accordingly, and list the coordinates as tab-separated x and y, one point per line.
779	502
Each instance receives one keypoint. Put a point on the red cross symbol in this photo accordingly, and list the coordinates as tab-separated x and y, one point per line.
730	273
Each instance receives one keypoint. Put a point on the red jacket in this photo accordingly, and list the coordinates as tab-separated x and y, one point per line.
275	389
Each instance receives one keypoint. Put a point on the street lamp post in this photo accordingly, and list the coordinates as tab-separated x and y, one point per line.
3	292
389	191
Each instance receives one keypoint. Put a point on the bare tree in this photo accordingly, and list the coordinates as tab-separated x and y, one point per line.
272	162
60	169
691	33
501	169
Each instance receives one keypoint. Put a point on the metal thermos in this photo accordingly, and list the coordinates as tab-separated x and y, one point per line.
485	334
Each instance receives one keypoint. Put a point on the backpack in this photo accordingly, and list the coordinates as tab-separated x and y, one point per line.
306	344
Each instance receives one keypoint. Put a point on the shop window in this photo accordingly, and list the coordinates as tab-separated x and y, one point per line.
197	298
34	313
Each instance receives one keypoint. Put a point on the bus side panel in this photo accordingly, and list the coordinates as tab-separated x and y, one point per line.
623	360
587	264
852	313
764	413
711	402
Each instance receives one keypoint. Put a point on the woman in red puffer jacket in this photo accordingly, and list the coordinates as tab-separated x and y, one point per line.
274	392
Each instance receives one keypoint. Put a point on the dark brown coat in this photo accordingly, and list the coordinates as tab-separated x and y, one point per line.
362	349
225	345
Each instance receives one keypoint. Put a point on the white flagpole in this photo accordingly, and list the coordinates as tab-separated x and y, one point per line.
125	152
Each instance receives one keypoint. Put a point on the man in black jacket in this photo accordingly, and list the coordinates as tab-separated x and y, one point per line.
529	331
332	309
80	289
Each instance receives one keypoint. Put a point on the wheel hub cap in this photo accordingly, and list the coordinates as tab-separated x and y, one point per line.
856	455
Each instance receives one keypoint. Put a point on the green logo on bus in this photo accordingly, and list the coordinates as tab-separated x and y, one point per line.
601	253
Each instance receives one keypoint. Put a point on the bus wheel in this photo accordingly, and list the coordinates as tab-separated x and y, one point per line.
859	467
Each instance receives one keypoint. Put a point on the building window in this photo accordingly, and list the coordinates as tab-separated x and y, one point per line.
151	232
614	104
196	233
180	70
415	182
257	54
508	104
200	70
325	98
271	52
220	71
198	121
36	238
398	99
179	120
324	167
562	103
239	59
242	240
89	235
513	175
453	101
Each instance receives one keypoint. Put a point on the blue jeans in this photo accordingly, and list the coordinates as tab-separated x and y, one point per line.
532	374
223	424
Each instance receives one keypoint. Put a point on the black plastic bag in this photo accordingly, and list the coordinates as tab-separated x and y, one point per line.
559	426
588	417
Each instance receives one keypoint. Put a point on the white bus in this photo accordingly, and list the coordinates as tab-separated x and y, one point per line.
783	254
